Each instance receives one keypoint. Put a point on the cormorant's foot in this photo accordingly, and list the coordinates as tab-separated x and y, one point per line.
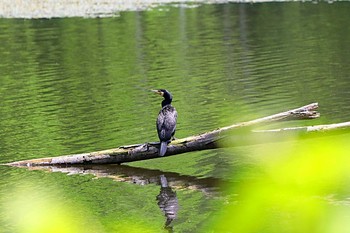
173	138
147	145
151	144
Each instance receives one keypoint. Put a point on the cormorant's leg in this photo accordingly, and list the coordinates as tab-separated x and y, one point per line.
173	137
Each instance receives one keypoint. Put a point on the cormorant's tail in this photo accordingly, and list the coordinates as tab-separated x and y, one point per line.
162	149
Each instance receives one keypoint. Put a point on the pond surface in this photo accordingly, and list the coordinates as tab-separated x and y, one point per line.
72	85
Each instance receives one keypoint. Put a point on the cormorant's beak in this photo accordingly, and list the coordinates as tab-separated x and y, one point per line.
158	92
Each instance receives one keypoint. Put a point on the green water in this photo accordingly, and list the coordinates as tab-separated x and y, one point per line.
71	85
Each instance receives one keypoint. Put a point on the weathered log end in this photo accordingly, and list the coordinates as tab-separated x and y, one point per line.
308	112
118	155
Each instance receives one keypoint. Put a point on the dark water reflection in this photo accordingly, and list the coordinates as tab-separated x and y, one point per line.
71	85
167	202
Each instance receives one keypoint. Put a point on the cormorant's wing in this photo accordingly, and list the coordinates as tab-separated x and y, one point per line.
166	122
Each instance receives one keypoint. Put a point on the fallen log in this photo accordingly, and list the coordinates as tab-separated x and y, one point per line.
209	140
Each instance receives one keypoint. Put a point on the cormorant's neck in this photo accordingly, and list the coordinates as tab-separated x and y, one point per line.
166	102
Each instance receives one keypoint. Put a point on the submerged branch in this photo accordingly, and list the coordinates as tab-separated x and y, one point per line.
209	140
314	128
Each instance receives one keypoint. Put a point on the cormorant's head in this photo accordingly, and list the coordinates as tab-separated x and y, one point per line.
162	92
166	95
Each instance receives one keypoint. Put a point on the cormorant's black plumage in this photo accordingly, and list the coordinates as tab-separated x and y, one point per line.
166	121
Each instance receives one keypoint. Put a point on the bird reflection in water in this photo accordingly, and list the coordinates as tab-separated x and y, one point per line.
167	202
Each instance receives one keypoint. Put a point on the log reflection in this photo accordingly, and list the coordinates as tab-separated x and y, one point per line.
141	176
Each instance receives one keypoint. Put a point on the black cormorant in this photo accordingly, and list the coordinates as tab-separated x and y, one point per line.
166	121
